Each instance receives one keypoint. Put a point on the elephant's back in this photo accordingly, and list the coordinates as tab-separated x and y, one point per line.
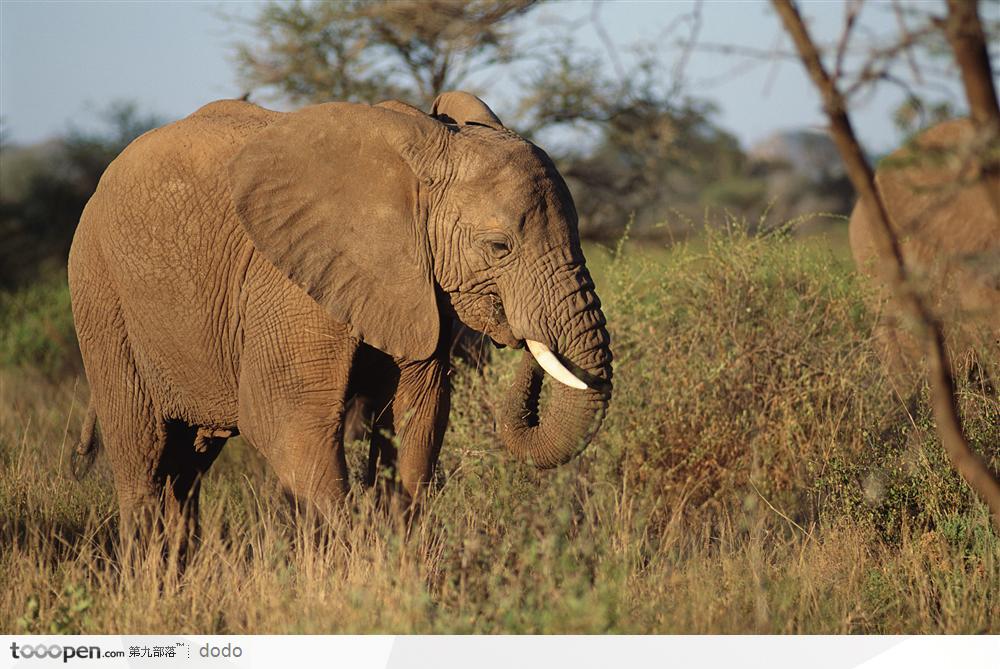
164	223
940	197
175	168
939	204
162	210
197	146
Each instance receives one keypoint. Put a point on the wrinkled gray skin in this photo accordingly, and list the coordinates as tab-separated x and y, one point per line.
946	214
243	270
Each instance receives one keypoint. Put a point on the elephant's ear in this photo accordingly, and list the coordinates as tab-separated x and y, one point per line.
463	108
328	195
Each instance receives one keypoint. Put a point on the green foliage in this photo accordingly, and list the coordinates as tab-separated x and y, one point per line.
28	623
738	192
68	615
71	614
36	328
887	489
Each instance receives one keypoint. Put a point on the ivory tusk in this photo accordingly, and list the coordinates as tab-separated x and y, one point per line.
550	363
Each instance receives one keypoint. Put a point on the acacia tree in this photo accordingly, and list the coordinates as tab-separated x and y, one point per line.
965	35
372	50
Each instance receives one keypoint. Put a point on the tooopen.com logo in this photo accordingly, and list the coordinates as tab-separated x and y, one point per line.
54	652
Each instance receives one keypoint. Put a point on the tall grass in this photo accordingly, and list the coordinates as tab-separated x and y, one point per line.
755	474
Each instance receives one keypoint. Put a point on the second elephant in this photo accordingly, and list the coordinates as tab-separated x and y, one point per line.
945	211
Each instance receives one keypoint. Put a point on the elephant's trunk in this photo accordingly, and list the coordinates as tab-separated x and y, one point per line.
571	416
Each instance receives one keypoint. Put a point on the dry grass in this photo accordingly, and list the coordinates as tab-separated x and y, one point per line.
754	475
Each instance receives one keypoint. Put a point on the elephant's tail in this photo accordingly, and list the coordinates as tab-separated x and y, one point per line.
82	457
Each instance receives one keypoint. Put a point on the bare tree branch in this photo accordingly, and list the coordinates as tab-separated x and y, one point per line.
850	17
741	50
609	45
692	40
905	32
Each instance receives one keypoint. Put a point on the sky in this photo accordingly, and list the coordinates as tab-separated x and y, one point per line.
63	62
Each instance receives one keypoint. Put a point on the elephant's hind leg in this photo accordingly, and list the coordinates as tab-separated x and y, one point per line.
154	484
154	463
158	476
134	438
132	432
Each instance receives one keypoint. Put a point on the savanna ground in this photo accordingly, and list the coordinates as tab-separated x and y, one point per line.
755	474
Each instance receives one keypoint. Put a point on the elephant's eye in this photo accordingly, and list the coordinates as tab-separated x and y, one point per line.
497	247
500	248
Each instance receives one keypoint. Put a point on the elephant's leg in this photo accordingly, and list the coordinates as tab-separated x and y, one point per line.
358	426
292	402
420	412
378	430
373	380
134	441
157	476
371	421
295	367
132	432
309	460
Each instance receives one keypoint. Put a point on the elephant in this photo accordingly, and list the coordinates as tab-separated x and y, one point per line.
945	211
248	271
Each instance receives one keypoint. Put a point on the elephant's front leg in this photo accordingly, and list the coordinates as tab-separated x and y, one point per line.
420	416
293	382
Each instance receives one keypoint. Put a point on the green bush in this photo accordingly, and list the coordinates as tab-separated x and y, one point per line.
903	476
36	328
742	363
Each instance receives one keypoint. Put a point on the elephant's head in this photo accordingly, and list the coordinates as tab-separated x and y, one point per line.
389	217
